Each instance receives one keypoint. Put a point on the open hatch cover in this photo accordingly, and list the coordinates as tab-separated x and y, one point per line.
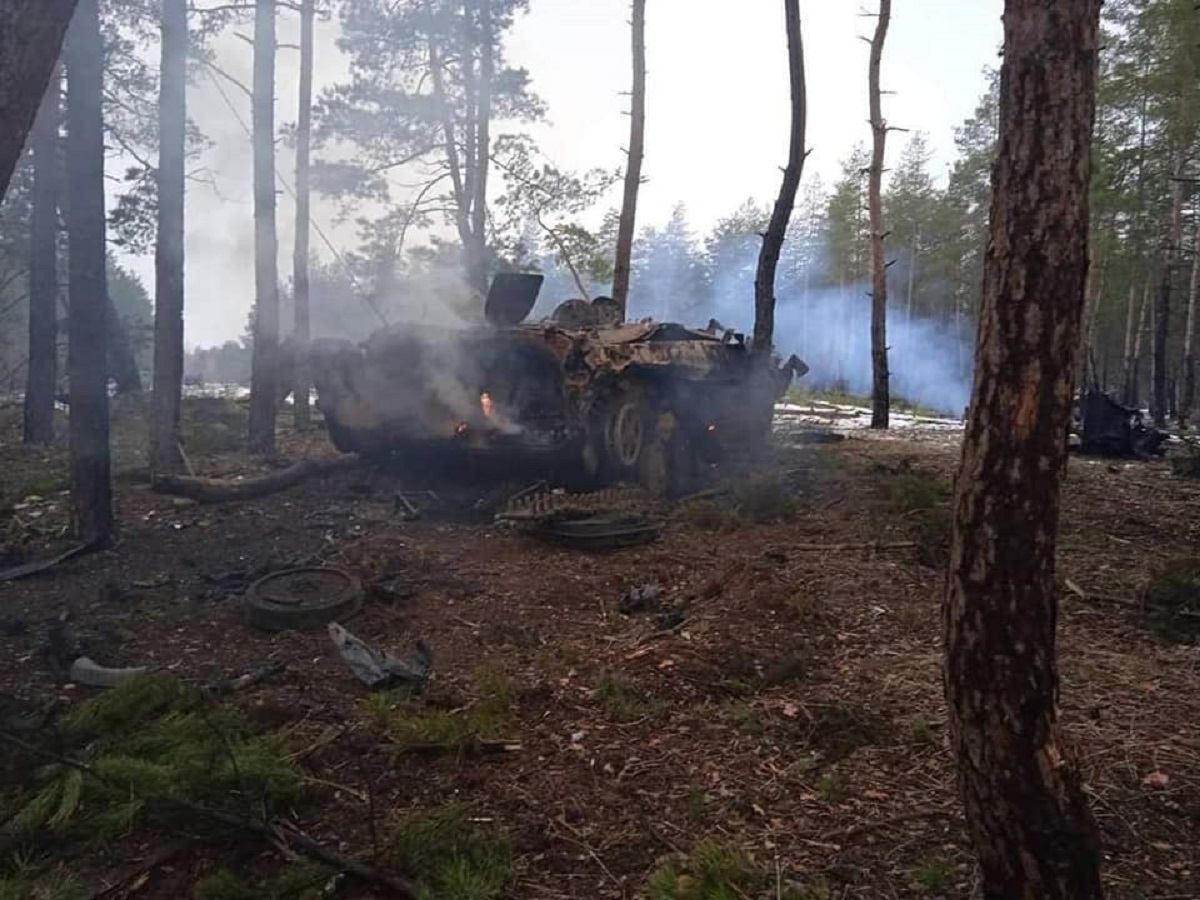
511	297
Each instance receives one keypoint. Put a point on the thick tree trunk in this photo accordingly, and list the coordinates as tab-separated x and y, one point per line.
42	371
300	323
781	214
880	399
623	265
264	374
483	145
1162	300
88	323
1189	337
31	36
168	250
1026	810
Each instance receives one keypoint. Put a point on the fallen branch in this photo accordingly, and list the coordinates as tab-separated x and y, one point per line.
223	490
44	565
288	836
164	855
837	548
475	747
240	682
1079	593
863	827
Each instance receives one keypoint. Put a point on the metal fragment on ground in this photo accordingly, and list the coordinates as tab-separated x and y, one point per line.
91	674
379	669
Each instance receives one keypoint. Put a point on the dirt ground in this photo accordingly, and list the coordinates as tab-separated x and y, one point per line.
795	713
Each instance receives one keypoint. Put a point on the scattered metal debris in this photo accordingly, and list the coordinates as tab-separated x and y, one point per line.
1109	429
599	532
378	669
240	682
86	672
539	503
303	597
639	598
408	510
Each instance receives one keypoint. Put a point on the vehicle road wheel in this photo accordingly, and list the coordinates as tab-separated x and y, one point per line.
627	428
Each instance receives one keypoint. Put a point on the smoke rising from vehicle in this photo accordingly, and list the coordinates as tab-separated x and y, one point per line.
828	327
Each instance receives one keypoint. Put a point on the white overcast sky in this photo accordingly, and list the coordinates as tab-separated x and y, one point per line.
717	112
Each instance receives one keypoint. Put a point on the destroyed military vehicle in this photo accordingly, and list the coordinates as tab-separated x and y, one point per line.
616	401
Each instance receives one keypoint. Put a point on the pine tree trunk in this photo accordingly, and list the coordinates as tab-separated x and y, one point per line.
31	36
1092	294
462	200
483	144
1162	301
912	276
88	323
42	372
264	363
1025	806
1143	314
781	214
301	327
1187	403
880	399
1131	316
168	251
633	166
122	362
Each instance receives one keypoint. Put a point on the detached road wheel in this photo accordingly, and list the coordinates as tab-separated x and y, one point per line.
305	597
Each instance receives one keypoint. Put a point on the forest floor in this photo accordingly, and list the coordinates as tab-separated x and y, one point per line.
786	739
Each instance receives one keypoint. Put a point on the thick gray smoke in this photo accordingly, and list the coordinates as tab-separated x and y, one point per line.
828	327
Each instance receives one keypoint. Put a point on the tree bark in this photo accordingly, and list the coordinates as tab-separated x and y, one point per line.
1162	300
623	265
880	399
264	374
1189	335
1025	806
88	322
1131	319
768	255
168	250
42	371
300	324
912	275
122	362
1092	294
483	145
462	215
31	37
1143	314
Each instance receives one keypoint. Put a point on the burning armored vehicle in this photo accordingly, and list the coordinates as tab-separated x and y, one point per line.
636	401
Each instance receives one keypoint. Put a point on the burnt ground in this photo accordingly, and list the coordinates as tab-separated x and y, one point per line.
796	714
